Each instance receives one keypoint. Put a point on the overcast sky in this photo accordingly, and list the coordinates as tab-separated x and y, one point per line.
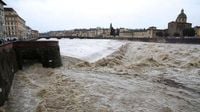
46	15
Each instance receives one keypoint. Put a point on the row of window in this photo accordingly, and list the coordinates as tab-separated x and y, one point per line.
1	14
10	28
10	23
10	33
10	18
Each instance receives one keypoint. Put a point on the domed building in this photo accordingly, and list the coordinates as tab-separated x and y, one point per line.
175	28
182	18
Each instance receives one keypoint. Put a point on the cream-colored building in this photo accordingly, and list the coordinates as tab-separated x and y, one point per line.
92	32
139	33
15	25
28	32
31	34
98	32
197	31
126	33
34	34
2	19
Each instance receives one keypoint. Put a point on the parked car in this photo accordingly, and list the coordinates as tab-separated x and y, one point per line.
11	39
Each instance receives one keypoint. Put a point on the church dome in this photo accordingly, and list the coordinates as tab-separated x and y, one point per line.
182	17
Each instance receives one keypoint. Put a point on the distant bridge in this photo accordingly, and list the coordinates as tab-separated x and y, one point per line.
191	40
115	38
80	37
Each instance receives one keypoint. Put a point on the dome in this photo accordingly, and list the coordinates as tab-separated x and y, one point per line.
182	17
182	14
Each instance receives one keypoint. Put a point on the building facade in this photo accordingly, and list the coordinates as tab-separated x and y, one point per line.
151	32
15	25
175	28
28	32
197	31
2	19
125	33
92	32
143	33
34	34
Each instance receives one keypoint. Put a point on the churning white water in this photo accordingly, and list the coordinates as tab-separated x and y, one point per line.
135	77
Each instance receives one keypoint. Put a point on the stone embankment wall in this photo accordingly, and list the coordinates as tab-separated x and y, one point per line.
14	55
8	66
45	52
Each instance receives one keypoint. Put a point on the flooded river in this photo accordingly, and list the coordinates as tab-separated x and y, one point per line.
134	77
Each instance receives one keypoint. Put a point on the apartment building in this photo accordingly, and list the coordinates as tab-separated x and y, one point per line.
197	31
14	24
2	20
34	34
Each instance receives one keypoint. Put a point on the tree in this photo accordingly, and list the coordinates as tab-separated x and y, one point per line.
117	32
176	34
189	32
160	34
166	34
112	30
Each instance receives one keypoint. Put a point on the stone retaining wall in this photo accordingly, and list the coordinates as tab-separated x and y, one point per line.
13	56
45	52
8	66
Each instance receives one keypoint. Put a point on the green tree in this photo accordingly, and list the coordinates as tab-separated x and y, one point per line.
160	34
166	34
176	34
189	32
112	30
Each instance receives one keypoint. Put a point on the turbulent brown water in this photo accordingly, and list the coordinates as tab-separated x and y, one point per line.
139	77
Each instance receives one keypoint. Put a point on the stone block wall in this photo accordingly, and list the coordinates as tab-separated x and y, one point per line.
45	52
8	66
13	56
